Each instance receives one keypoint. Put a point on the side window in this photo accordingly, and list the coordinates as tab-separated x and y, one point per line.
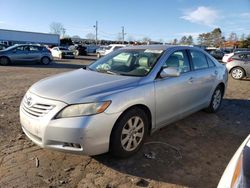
210	62
198	59
34	48
19	48
179	60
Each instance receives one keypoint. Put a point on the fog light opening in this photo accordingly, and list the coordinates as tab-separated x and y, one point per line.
73	145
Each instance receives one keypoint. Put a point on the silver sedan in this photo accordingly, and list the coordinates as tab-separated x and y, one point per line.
114	103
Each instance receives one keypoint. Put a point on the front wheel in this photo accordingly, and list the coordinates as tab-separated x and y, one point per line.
129	133
216	100
237	73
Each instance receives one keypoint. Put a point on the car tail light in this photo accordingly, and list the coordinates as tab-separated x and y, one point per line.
229	60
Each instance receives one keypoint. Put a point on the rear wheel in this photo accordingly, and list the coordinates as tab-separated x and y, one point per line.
45	60
4	61
237	73
216	100
129	133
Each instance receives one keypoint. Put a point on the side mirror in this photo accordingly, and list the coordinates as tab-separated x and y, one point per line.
170	72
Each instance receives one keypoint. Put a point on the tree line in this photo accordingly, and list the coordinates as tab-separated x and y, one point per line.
214	38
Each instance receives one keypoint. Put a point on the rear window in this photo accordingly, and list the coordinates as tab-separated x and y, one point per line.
210	62
199	60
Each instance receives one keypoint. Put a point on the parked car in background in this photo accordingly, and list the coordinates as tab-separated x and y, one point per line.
237	172
109	48
121	98
238	65
217	54
25	53
62	52
78	50
3	46
228	55
91	48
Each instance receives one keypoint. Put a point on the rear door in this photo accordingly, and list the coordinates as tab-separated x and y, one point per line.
247	64
203	78
34	53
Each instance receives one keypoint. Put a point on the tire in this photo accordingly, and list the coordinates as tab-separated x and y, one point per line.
216	100
129	133
60	56
98	55
4	61
237	73
45	60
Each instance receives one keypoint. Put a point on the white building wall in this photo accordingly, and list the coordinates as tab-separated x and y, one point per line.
29	37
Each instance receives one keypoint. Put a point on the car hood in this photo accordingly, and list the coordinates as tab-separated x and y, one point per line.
82	86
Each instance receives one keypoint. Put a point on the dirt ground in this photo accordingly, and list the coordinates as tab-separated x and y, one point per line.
192	152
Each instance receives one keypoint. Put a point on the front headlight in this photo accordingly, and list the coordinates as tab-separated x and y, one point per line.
83	109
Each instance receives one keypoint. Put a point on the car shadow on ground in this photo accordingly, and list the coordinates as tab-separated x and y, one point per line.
192	152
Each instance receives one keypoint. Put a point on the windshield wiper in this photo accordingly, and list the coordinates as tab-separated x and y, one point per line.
110	72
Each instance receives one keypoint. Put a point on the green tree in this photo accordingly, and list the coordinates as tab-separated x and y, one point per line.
190	40
183	40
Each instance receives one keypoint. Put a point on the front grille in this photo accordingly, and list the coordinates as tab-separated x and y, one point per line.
36	109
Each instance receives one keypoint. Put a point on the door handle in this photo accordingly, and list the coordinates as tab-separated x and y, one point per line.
215	72
191	80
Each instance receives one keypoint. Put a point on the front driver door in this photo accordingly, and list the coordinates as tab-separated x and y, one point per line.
174	94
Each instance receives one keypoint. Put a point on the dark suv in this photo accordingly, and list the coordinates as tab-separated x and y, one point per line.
25	53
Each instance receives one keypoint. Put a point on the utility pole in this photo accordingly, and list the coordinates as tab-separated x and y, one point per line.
123	34
96	32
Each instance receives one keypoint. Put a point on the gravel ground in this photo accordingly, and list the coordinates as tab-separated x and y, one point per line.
192	152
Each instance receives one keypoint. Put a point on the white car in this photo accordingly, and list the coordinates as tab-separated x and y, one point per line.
62	52
237	171
109	48
226	57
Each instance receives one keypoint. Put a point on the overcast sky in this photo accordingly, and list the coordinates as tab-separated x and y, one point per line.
157	19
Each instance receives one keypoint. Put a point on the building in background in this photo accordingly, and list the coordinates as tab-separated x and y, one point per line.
11	37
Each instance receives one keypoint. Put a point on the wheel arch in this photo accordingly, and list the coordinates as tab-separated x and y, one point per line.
223	87
237	67
144	108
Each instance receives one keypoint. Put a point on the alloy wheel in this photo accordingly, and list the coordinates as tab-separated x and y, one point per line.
237	73
132	133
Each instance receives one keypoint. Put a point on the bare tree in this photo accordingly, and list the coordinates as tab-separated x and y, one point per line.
90	36
57	28
146	40
233	37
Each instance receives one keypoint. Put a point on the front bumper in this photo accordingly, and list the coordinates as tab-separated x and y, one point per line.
88	135
68	56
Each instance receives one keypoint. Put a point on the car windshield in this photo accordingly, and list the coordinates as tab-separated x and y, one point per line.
133	62
62	48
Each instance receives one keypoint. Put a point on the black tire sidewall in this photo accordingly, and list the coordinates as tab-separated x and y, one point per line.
116	148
